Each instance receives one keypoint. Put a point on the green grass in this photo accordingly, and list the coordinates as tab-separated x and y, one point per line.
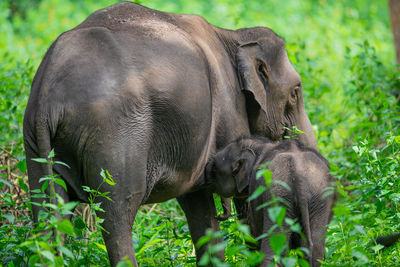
343	51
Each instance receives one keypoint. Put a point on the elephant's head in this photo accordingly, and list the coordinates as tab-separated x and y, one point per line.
229	171
272	86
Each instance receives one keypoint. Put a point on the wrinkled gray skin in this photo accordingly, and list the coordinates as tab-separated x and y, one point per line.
148	96
231	173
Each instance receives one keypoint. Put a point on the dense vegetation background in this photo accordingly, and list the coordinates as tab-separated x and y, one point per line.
344	52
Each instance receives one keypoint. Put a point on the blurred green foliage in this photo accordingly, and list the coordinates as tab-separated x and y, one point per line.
344	53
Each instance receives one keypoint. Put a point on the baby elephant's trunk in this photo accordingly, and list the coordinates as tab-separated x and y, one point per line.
305	222
302	200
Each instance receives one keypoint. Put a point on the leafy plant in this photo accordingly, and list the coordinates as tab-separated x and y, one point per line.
54	240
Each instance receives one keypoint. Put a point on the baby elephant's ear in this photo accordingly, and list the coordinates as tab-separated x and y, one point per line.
241	170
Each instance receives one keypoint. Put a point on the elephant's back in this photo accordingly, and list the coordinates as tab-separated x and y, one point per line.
105	87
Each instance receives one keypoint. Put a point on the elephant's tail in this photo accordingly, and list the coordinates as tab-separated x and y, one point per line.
388	240
43	141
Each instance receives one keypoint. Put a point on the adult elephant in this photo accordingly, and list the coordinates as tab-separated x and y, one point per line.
149	96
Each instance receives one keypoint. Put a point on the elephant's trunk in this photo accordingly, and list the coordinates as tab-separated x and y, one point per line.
304	124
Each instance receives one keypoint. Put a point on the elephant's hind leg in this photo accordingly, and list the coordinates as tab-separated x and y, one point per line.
128	171
118	222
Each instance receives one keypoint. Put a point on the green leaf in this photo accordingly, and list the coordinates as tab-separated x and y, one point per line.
270	230
46	178
341	210
205	259
303	263
283	184
21	165
101	246
22	184
6	183
360	255
278	243
48	255
51	154
103	174
67	252
79	223
71	205
59	261
9	217
148	245
297	130
277	214
377	247
62	163
37	191
45	185
267	174
42	215
216	248
289	262
203	240
51	206
33	260
261	189
109	179
125	263
65	226
41	195
249	239
61	182
40	160
86	188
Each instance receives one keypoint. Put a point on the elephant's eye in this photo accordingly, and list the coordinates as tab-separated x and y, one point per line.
294	95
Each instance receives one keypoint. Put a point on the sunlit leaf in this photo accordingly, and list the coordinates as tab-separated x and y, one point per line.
66	227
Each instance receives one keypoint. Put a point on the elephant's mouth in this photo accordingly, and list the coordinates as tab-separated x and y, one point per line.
278	133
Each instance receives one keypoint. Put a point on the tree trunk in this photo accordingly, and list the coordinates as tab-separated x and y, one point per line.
394	6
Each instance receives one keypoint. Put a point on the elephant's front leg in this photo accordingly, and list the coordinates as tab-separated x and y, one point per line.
200	213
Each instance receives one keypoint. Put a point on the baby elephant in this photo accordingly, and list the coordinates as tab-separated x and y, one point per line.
232	172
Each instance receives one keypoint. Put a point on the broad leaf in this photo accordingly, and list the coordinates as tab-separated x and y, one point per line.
61	182
278	243
261	189
65	226
277	214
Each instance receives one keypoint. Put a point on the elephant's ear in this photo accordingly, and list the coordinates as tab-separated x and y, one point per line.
242	170
253	72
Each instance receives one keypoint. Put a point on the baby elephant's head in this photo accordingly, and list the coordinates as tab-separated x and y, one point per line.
229	171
